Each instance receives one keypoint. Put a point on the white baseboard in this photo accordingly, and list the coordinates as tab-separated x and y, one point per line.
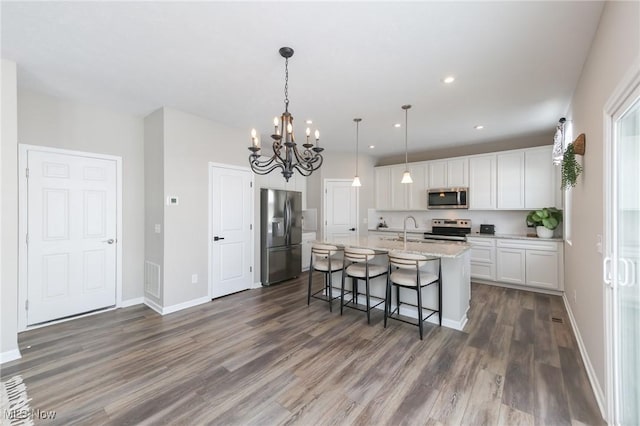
153	305
257	285
185	305
131	302
10	356
175	308
591	373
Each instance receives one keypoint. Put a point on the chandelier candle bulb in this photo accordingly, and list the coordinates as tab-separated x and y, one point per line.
317	135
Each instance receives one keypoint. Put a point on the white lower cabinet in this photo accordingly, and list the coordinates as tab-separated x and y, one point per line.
530	263
511	266
483	258
307	240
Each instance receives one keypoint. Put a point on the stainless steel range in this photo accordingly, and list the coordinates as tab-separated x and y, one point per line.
449	230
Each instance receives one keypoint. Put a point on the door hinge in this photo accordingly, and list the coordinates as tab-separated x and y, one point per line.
250	227
250	184
26	305
250	268
27	238
26	172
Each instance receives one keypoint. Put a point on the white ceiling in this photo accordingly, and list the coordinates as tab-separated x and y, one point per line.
516	63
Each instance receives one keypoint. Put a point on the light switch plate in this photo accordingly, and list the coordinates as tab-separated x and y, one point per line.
157	228
194	279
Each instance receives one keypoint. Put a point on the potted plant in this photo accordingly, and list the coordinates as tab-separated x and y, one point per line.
570	167
545	220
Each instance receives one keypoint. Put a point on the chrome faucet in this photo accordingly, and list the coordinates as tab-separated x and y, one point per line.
405	228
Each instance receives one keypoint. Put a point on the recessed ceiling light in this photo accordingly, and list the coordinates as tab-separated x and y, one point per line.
397	125
478	127
449	79
372	146
309	121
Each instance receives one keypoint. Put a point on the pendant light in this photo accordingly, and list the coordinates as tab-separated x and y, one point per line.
406	176
356	179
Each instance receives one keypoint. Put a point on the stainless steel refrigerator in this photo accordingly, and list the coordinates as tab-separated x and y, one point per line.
280	235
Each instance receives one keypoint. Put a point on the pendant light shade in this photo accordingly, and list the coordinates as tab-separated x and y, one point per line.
406	176
356	179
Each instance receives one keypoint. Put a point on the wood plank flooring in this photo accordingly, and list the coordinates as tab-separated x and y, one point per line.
264	357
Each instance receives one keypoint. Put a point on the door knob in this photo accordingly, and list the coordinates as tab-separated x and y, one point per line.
216	238
109	241
352	229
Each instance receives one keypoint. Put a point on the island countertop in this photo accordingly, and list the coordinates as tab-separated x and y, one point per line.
425	247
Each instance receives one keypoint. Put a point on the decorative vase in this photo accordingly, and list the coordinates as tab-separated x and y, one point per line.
544	232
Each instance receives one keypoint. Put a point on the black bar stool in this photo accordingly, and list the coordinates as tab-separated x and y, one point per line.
324	258
358	266
406	271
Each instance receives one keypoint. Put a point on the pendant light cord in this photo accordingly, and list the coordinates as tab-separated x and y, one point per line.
357	140
406	132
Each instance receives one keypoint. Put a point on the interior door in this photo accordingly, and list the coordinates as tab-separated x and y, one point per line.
622	264
71	225
231	227
341	211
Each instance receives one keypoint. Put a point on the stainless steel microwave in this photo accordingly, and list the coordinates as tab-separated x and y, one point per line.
448	198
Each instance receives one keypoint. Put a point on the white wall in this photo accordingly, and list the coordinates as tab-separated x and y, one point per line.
9	212
48	121
154	196
190	143
341	165
615	48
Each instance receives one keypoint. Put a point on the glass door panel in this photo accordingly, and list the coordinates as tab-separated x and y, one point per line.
626	230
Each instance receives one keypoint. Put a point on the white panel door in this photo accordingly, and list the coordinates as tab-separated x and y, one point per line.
71	225
341	205
231	214
482	182
542	268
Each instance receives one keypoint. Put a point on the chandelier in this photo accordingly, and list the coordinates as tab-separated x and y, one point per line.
286	155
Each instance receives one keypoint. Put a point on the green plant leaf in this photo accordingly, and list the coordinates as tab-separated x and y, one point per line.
550	222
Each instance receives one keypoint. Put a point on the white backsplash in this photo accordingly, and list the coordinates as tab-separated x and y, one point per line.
506	222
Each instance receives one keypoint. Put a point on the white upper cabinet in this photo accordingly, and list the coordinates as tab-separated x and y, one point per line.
510	169
398	190
458	172
449	173
540	184
482	182
506	180
417	191
383	188
438	174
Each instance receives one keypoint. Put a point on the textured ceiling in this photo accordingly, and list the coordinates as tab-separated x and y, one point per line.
516	63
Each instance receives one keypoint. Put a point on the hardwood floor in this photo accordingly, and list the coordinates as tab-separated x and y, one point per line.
264	357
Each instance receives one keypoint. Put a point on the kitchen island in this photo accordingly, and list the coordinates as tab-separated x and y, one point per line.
456	286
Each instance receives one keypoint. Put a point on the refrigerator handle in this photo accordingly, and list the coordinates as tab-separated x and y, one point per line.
287	219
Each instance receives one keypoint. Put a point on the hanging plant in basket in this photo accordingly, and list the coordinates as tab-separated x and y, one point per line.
571	169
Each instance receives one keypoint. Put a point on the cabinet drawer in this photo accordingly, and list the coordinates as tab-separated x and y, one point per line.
528	245
485	271
481	242
483	254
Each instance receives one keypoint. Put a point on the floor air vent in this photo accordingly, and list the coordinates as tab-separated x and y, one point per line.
560	320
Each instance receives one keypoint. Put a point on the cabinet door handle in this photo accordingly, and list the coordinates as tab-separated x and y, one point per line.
352	229
216	238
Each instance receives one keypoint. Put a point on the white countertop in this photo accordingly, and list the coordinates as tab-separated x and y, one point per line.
396	230
426	247
514	237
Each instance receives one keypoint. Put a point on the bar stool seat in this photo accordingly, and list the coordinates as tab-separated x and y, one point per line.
358	270
358	265
406	271
325	258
